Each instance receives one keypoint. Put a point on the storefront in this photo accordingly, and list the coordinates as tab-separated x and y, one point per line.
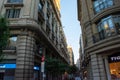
114	65
7	72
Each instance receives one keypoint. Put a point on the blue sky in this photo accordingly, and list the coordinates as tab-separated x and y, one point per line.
71	24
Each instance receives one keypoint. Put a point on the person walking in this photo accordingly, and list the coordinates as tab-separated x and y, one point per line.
66	76
77	78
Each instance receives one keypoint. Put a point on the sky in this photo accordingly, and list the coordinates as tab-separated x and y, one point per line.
71	25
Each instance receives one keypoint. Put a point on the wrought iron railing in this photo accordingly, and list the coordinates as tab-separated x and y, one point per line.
40	11
102	35
15	1
9	48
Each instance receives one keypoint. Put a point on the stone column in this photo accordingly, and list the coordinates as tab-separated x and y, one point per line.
25	57
95	67
101	68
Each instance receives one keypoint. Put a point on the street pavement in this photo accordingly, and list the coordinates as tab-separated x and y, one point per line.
77	78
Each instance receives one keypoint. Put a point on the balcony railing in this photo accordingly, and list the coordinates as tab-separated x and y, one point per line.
15	1
53	36
48	28
48	23
101	5
41	12
101	35
11	49
97	38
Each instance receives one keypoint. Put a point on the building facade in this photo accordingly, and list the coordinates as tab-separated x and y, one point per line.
71	55
35	32
100	23
81	56
78	64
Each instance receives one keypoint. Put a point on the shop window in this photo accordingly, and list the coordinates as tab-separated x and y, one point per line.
114	65
7	71
1	75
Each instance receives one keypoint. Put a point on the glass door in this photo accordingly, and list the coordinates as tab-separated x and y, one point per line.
1	76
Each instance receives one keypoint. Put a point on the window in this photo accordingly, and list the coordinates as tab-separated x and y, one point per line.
101	5
100	31
14	1
13	41
12	13
48	16
117	22
108	26
48	5
40	5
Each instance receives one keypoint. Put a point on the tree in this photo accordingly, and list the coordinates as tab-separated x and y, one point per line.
4	35
55	67
63	67
72	69
51	65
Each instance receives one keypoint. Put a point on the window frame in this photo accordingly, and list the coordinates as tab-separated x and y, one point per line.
98	3
13	43
14	1
106	32
12	13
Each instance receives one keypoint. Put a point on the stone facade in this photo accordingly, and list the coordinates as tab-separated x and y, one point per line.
36	31
71	55
100	36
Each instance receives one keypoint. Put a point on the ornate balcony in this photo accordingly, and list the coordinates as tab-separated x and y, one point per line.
9	49
101	35
41	14
15	3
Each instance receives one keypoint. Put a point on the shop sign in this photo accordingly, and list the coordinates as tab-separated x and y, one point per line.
9	66
36	68
114	58
2	66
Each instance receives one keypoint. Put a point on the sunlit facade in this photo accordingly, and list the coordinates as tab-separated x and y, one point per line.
71	55
57	2
100	23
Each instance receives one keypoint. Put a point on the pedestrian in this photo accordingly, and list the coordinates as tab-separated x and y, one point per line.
66	76
73	78
77	78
